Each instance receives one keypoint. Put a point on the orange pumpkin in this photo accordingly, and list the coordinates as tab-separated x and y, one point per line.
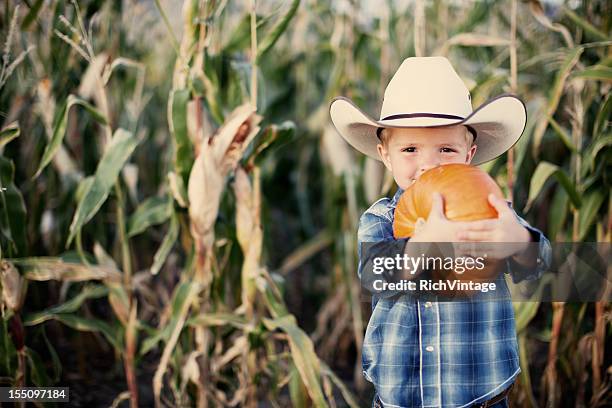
464	189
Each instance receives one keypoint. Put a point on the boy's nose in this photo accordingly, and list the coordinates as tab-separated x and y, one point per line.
427	166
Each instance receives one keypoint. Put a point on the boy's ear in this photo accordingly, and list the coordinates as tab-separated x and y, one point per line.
470	154
384	155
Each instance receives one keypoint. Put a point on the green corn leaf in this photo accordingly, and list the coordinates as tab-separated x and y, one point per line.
183	154
167	244
59	129
297	389
241	36
178	299
150	342
521	147
558	213
568	64
590	156
525	377
7	348
203	85
12	212
477	15
152	211
117	153
603	117
272	297
55	360
279	28
71	306
32	15
269	141
542	173
524	312
596	72
562	133
304	356
83	186
38	372
588	212
110	332
588	28
8	133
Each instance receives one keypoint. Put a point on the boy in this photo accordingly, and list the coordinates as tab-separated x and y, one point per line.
460	353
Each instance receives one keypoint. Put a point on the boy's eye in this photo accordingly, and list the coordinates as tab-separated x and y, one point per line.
447	150
409	149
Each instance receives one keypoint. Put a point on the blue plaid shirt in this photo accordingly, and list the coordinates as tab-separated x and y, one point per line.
440	354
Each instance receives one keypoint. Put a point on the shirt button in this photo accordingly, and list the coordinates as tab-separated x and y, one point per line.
429	348
427	304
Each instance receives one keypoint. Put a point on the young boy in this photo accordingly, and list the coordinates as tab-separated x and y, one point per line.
460	353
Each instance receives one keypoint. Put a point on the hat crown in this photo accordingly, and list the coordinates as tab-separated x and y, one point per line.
427	85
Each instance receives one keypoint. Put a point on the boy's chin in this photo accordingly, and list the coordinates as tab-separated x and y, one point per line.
406	183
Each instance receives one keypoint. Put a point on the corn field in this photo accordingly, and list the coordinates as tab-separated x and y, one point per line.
178	217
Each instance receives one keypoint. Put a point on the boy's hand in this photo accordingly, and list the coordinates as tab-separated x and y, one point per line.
504	229
437	228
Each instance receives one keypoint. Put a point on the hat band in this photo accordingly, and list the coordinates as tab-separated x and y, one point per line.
425	115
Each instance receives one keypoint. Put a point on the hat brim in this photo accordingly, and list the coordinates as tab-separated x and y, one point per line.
499	123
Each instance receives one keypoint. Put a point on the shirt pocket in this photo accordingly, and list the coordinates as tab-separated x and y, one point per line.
372	341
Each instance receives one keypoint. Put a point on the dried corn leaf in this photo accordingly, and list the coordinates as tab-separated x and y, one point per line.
218	319
90	86
12	286
119	301
249	232
235	149
246	212
49	268
204	191
538	12
177	187
338	154
303	354
346	393
103	258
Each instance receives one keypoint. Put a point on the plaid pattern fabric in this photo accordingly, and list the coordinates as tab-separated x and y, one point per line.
501	404
440	354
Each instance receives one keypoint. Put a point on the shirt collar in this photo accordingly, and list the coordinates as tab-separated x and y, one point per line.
396	197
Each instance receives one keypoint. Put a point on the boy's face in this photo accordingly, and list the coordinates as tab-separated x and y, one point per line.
409	152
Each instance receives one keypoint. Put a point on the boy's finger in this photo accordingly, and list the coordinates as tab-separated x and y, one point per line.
419	224
484	236
480	225
500	205
437	206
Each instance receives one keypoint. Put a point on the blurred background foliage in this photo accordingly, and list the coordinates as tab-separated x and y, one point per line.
178	217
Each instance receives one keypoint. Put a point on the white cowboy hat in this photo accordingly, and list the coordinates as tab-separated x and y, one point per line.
427	92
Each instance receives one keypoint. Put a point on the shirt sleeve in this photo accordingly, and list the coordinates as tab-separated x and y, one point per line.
520	272
376	227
